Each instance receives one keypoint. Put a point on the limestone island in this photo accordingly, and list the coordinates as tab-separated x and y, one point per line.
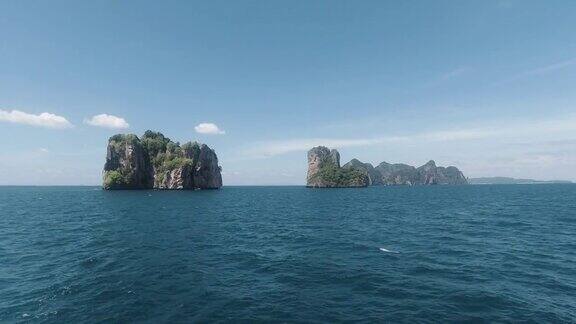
324	171
155	162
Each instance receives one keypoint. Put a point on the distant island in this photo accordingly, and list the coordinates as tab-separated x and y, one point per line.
156	162
507	180
324	171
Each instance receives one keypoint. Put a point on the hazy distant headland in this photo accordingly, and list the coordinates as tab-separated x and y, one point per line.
324	171
507	180
156	162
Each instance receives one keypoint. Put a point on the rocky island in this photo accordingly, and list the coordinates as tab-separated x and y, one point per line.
324	171
156	162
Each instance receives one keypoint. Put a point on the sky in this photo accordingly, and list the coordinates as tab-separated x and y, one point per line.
487	86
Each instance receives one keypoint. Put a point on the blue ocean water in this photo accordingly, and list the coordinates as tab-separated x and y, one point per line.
289	254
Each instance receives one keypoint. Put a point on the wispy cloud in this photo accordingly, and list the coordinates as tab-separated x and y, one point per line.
535	130
44	119
551	68
447	76
209	129
107	121
272	148
542	70
454	73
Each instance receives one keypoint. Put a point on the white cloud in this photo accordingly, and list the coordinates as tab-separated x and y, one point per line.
42	120
44	150
208	128
107	121
519	130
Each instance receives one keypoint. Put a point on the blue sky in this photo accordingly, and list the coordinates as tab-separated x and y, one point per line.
488	86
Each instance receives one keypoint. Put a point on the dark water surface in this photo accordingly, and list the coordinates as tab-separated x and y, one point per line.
289	254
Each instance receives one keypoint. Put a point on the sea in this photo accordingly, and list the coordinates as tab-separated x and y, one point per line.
428	254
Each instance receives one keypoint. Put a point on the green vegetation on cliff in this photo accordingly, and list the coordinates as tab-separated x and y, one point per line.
116	179
159	152
121	175
123	139
155	161
334	176
155	143
166	155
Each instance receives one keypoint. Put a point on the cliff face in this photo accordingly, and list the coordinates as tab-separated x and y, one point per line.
178	178
127	164
397	174
320	159
156	162
324	171
206	171
428	174
374	177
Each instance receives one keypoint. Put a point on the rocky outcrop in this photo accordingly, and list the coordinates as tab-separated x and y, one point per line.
324	171
127	164
177	178
321	160
207	171
319	157
156	162
397	174
429	173
374	177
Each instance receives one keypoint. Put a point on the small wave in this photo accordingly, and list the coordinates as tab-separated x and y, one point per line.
388	251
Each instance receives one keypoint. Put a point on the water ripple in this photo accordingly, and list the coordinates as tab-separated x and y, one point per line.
288	254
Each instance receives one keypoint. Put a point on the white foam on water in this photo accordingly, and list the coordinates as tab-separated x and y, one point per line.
388	251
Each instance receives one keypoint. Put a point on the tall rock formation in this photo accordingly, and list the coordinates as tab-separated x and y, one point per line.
324	171
156	162
319	157
206	171
127	164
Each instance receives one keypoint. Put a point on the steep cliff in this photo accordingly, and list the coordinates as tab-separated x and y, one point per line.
156	162
374	177
428	174
206	170
127	164
397	174
324	171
